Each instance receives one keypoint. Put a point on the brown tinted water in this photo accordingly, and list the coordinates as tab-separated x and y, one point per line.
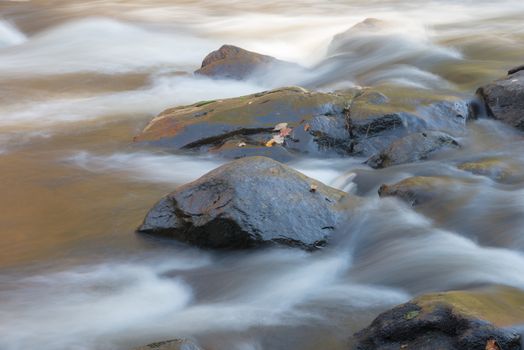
79	79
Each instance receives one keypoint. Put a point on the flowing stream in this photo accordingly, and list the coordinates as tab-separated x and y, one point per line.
78	79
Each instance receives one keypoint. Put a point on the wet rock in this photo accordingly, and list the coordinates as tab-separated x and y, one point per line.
175	344
495	168
412	148
348	122
417	190
504	99
247	119
376	52
369	25
232	62
250	202
458	320
516	69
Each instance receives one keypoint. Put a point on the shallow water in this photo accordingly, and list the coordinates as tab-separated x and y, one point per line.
79	79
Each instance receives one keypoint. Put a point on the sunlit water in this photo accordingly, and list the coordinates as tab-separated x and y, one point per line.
78	79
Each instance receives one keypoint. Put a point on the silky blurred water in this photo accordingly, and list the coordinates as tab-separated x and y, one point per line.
78	79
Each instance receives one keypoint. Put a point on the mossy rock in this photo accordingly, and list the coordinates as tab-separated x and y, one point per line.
418	190
465	320
249	119
347	122
501	306
497	169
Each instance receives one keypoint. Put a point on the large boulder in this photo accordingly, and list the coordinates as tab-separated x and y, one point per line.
175	344
504	98
412	148
210	122
249	121
457	320
250	202
232	62
348	122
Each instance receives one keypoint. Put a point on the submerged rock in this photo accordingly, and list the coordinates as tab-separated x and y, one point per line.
175	344
369	25
504	98
249	202
232	62
417	190
458	320
412	148
495	168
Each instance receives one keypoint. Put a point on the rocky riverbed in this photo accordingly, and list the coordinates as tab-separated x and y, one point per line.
200	175
256	201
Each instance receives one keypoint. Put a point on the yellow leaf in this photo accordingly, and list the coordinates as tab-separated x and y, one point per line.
307	127
270	143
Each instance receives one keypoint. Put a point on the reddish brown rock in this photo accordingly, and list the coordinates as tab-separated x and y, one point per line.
232	62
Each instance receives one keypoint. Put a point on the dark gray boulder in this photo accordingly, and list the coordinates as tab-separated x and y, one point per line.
458	320
249	202
516	69
175	344
504	98
412	148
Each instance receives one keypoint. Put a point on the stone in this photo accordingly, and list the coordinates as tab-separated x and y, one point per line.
412	148
504	99
232	62
250	202
456	320
418	190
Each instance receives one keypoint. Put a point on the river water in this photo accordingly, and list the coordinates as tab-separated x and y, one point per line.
78	79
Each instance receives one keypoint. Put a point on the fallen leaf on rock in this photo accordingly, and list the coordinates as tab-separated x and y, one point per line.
492	345
277	139
280	126
307	127
411	315
270	143
285	131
